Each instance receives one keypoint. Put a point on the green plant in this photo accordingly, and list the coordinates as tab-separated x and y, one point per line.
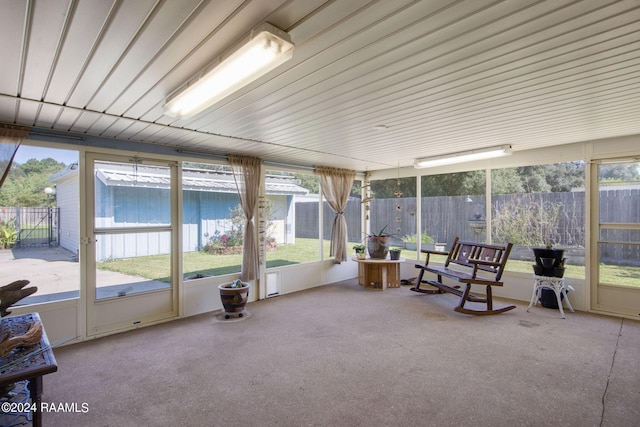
380	233
8	233
237	284
216	242
359	248
527	221
413	238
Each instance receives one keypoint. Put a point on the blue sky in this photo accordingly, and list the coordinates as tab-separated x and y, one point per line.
26	152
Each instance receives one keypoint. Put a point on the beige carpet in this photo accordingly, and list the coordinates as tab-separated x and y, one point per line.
342	356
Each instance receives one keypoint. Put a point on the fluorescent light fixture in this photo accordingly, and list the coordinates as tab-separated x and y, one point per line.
264	49
464	156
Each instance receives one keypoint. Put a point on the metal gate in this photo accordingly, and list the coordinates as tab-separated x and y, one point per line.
34	226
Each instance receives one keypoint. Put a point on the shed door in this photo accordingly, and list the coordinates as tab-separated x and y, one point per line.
615	259
130	242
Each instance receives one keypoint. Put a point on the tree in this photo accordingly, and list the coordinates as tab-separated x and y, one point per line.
386	188
454	184
620	172
555	177
310	182
26	182
506	181
533	179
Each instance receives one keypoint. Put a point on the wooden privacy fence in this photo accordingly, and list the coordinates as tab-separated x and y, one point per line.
523	219
307	220
620	207
527	219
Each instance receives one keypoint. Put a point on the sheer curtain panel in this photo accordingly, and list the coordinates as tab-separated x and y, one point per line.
10	139
247	172
336	186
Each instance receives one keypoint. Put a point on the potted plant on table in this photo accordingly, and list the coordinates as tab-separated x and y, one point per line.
394	253
360	251
378	244
234	297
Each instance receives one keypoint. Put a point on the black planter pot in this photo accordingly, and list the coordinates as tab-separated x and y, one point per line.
548	298
549	262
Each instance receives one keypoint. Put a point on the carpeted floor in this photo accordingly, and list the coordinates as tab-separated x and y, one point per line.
339	355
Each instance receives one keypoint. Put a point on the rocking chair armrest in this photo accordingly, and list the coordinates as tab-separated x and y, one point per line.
433	252
430	252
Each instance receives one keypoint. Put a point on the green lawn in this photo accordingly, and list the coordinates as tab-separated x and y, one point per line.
157	267
306	250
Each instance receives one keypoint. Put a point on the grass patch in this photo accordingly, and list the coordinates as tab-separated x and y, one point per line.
158	267
306	250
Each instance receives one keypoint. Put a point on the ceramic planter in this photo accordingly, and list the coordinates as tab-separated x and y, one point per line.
378	246
234	299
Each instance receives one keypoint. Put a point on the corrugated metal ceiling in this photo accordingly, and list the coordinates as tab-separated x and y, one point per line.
439	75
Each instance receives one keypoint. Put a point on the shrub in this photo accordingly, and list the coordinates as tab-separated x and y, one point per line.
526	221
8	233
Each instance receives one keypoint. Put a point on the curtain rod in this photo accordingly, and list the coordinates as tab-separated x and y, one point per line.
264	162
69	137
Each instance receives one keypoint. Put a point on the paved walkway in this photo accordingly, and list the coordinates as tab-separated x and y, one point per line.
56	273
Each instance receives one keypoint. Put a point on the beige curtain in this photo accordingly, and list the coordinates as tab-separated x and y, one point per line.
336	186
10	139
246	172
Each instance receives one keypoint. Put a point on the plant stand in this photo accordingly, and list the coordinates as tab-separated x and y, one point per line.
379	274
555	284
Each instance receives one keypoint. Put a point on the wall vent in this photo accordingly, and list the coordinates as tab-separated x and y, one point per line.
273	284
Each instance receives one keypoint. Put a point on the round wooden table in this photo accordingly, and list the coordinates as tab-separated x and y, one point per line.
379	274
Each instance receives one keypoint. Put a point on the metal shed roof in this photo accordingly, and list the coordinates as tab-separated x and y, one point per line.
192	179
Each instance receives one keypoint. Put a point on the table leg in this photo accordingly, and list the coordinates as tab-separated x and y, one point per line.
362	277
558	298
394	275
533	297
566	298
35	391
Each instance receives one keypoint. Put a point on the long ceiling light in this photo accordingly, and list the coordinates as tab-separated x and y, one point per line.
265	48
464	156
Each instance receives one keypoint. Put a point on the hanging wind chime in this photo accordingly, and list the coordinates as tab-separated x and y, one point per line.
398	195
135	162
366	193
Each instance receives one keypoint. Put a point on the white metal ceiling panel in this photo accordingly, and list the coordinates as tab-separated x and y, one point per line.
157	31
12	21
27	112
441	75
45	31
88	18
118	36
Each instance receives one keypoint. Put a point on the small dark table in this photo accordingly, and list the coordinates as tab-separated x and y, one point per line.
34	367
